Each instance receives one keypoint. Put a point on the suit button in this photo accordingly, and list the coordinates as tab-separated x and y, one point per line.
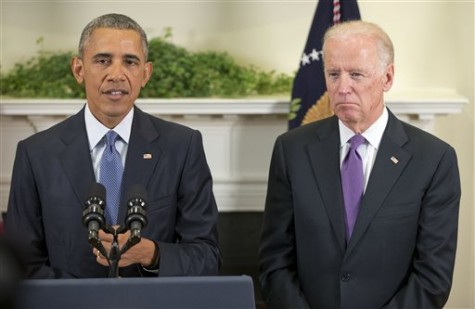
345	277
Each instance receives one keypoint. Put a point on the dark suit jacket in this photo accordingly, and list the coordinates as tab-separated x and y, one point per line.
402	251
51	178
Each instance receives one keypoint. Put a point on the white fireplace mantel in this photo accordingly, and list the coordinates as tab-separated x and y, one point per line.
238	134
422	107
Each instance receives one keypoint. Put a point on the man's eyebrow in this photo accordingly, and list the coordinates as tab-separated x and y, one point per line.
102	55
132	57
108	55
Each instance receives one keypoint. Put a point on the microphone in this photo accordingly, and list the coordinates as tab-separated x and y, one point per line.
136	218
93	214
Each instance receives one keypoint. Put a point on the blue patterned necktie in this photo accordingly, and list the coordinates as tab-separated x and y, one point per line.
111	177
352	180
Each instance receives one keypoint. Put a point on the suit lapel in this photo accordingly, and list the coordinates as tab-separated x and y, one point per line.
76	158
390	162
143	154
324	159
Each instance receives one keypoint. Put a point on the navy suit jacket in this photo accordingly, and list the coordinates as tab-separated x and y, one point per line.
51	178
402	251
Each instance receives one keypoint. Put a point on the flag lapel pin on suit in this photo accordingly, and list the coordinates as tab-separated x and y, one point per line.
147	156
395	161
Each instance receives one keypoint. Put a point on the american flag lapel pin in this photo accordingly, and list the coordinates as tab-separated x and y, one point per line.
394	159
147	156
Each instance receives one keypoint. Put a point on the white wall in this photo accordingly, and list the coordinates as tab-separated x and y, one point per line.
434	42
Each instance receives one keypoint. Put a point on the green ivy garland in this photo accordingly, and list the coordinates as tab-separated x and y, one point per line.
176	73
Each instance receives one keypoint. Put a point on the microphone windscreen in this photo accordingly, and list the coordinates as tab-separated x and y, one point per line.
97	190
136	191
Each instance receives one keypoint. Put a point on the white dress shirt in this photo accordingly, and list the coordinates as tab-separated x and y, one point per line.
367	150
96	132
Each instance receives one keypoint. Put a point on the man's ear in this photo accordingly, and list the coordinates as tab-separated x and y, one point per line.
77	68
388	78
148	69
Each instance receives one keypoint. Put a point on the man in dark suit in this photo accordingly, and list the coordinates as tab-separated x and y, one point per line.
398	251
54	170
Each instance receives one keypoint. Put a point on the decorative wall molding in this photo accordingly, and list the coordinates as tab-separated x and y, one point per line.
424	107
238	134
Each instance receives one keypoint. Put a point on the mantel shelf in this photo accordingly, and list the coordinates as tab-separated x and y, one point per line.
423	108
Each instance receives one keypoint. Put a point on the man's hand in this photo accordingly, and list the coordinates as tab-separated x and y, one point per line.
142	253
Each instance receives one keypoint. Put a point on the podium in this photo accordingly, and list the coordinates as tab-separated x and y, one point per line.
139	293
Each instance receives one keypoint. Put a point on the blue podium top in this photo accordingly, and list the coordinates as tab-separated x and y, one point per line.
170	292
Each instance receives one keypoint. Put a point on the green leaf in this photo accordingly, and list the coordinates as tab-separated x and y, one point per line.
295	104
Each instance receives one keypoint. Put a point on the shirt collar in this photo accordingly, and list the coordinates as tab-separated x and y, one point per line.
96	130
373	134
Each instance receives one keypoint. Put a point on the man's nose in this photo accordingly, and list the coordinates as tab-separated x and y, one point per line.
116	72
344	85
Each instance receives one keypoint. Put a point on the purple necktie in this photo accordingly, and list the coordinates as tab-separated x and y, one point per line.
352	181
111	177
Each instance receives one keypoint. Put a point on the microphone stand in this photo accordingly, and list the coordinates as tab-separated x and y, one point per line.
114	254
